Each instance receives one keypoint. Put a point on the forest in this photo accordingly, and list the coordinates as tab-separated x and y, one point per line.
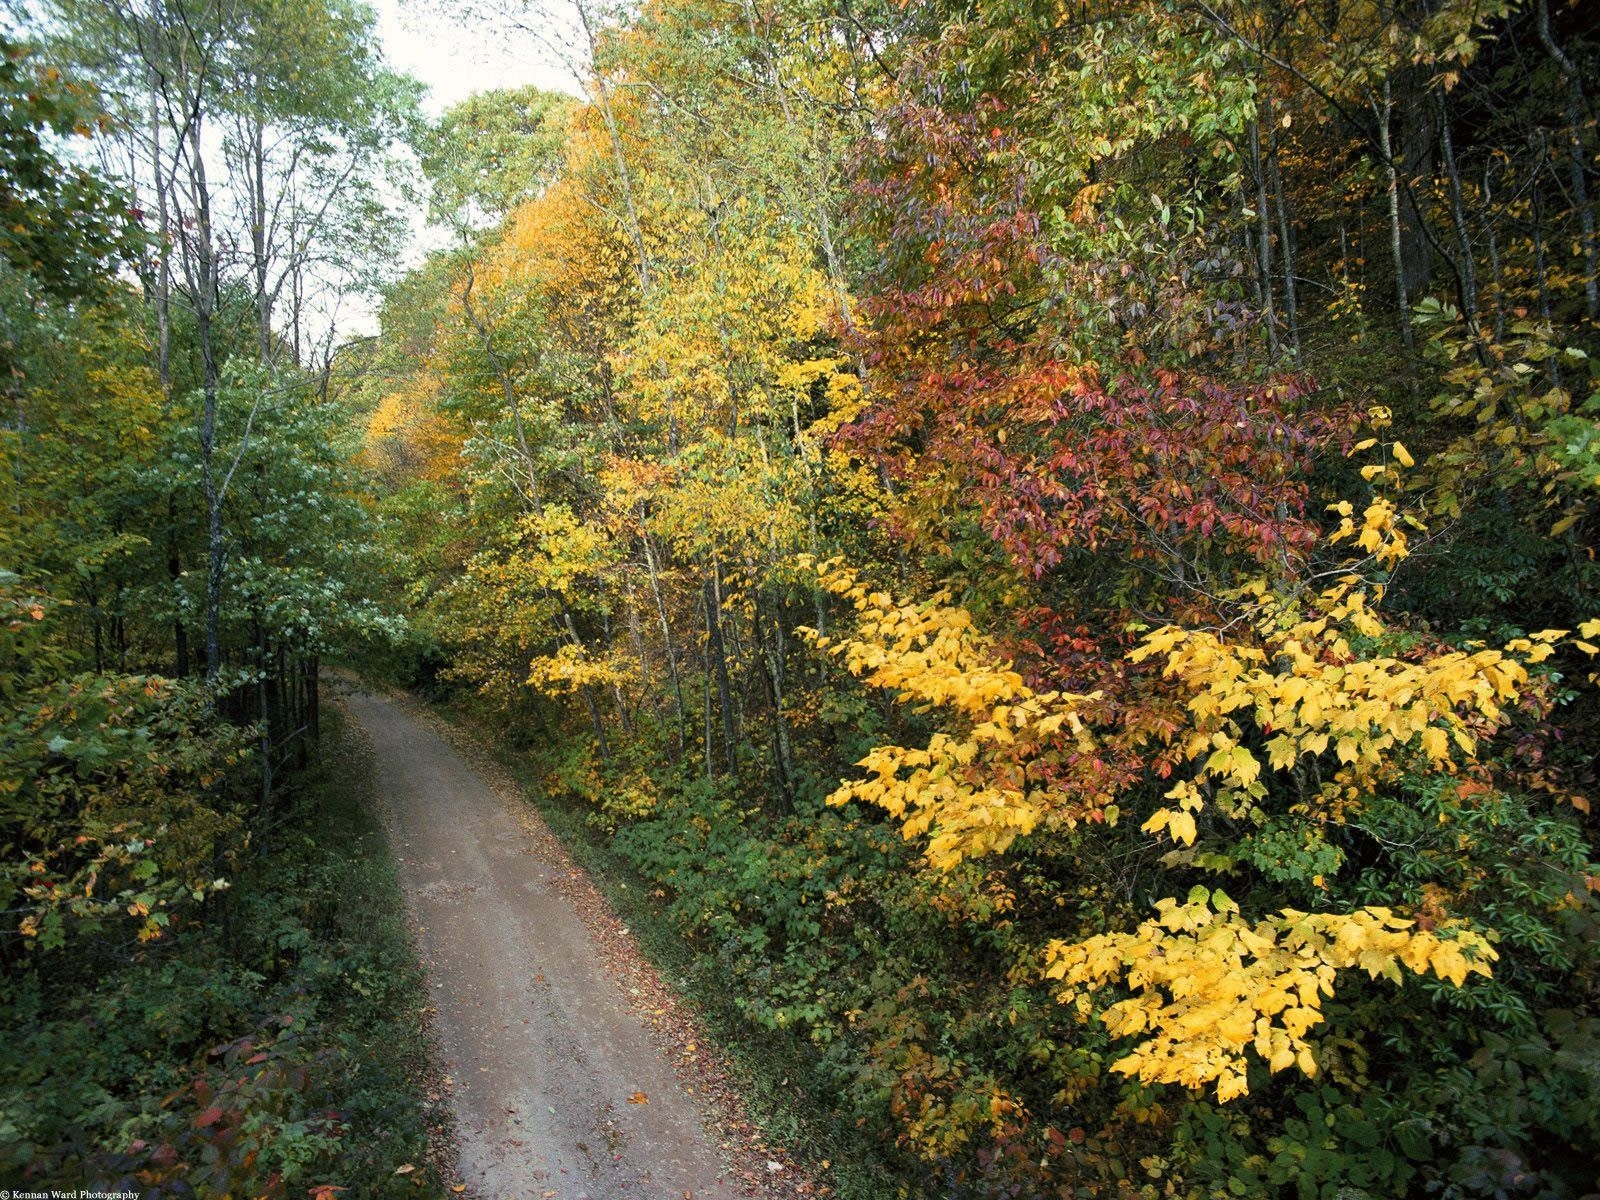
1054	542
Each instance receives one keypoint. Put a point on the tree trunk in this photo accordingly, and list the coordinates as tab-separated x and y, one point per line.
1392	185
1540	263
205	299
1496	275
314	679
508	391
666	636
1291	304
1269	316
624	180
718	653
163	288
258	233
264	716
163	306
1577	161
772	659
1466	269
588	690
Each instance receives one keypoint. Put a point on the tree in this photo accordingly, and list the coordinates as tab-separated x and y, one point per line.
493	151
61	223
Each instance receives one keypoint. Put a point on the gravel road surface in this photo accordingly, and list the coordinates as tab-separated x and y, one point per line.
559	1092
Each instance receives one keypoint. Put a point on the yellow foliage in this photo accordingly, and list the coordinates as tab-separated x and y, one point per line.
566	553
1282	682
741	500
572	667
972	793
727	342
556	246
1209	986
407	435
1286	672
512	601
1296	680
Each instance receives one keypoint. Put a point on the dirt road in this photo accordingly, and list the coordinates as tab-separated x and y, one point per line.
558	1089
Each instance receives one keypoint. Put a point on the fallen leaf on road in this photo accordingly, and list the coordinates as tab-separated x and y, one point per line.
638	1098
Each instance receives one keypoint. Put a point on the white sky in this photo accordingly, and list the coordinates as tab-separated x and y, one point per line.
455	59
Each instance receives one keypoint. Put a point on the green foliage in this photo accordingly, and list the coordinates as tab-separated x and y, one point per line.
494	150
205	987
119	795
272	1049
60	225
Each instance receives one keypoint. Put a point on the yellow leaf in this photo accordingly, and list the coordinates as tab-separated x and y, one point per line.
1435	743
1051	723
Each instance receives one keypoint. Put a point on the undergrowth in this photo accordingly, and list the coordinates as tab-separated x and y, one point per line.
272	1047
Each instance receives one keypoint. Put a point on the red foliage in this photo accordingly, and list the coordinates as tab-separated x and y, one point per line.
979	403
1170	473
